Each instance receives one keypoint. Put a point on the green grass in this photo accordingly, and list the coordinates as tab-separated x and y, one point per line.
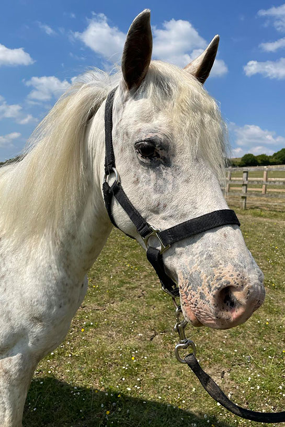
264	207
117	365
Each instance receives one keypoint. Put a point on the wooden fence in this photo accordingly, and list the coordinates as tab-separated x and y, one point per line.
252	186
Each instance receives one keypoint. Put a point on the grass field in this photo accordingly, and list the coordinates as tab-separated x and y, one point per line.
259	206
117	365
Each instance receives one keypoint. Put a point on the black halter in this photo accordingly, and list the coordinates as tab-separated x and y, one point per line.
166	237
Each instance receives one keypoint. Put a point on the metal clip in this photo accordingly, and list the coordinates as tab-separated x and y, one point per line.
180	329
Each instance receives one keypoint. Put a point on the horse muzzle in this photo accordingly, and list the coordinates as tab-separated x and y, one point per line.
229	300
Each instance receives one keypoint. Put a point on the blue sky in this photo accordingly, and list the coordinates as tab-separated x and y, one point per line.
44	44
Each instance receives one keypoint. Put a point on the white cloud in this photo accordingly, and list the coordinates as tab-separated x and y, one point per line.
273	46
101	38
27	119
46	88
259	149
277	15
6	140
9	111
178	42
237	152
14	111
48	30
219	68
253	139
270	69
175	40
13	57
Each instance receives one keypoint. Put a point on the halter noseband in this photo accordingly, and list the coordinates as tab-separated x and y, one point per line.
166	237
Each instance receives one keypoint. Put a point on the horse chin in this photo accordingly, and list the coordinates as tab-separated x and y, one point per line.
191	317
208	322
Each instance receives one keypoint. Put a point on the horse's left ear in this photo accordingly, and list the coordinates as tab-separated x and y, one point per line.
201	66
137	51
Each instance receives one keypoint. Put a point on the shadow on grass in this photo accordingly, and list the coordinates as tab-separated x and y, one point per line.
57	404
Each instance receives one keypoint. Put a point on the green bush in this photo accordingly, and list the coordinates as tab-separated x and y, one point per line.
263	159
248	160
279	157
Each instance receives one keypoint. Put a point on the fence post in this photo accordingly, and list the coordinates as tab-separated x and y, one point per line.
229	177
265	179
244	188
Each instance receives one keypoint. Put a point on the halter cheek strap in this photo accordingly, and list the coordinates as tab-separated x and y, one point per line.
166	237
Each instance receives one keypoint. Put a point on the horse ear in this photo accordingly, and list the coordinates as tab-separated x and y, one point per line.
137	50
201	66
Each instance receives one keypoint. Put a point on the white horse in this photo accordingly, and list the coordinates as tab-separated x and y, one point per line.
169	147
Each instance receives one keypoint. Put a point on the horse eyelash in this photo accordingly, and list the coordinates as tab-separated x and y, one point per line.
147	157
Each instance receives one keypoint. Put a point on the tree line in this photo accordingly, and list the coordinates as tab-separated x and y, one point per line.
249	159
14	159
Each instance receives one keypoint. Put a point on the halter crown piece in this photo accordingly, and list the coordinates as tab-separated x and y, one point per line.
167	238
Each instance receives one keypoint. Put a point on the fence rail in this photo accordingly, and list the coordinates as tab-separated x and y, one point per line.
246	182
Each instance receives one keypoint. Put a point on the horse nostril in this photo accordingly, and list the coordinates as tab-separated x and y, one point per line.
227	298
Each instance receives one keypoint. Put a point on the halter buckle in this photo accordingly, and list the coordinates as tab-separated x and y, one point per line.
155	232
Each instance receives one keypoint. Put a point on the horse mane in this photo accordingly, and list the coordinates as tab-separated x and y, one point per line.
41	188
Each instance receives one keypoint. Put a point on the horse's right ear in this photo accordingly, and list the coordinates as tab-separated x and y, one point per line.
137	51
201	66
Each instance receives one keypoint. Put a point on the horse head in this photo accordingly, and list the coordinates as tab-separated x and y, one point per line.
169	148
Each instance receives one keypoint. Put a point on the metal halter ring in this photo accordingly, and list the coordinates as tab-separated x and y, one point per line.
117	176
155	232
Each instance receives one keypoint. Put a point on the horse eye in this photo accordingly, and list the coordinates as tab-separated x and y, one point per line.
146	149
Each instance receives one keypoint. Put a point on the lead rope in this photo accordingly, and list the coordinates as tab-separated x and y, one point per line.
209	384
